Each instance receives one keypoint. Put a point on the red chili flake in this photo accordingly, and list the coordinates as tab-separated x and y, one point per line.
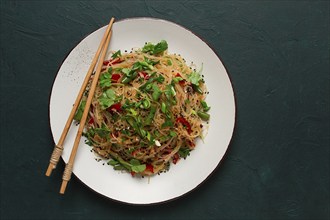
91	121
133	173
115	77
115	107
150	168
185	123
175	158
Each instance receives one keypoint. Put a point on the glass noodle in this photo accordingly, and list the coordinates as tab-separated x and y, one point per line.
147	111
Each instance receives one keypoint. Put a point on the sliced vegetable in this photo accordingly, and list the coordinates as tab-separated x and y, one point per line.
155	49
185	123
184	152
197	89
205	106
80	111
151	115
163	107
194	78
103	131
146	103
169	91
160	47
105	80
115	78
115	108
116	54
204	116
156	92
107	99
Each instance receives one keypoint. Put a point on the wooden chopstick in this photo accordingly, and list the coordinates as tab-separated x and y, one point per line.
58	149
69	166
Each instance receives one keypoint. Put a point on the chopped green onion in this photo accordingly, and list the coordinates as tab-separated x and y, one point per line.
156	93
116	54
205	106
163	107
204	116
151	115
197	89
146	103
125	80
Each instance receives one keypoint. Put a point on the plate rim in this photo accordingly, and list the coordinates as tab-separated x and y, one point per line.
234	109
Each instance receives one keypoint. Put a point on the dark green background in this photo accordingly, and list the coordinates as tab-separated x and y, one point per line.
277	56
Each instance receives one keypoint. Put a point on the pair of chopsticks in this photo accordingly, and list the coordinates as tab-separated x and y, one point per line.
59	146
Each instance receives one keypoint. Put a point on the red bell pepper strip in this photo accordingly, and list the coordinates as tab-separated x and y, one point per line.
185	123
112	61
115	77
144	75
91	121
115	107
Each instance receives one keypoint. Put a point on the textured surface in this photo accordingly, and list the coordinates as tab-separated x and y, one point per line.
277	55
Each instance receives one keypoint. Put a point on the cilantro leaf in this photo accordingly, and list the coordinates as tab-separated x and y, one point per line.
110	94
139	168
105	80
107	99
148	47
105	102
194	78
184	152
136	166
103	131
112	162
134	162
160	47
155	49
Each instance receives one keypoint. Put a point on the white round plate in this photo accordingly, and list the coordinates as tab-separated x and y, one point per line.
186	174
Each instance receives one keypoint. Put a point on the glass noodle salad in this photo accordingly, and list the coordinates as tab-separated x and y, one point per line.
147	111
